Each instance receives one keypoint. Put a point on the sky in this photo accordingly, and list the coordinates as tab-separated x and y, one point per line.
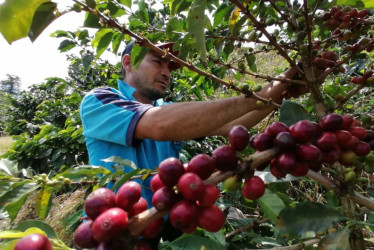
34	62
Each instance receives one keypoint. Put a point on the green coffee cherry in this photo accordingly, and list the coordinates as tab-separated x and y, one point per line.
91	3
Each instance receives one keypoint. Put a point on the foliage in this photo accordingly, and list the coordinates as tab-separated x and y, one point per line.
222	43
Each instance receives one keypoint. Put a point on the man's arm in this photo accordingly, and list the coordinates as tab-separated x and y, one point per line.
188	120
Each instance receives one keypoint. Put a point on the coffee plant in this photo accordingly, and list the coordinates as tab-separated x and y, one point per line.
302	179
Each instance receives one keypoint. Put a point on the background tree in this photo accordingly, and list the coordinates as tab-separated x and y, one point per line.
11	85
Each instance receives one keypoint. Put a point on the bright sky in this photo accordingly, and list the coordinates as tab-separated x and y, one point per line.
34	62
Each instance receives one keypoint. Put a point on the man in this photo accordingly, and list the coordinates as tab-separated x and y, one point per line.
135	123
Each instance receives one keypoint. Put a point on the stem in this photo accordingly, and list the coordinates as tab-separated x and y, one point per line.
282	15
358	198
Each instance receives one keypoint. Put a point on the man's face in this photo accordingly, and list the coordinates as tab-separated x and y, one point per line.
152	77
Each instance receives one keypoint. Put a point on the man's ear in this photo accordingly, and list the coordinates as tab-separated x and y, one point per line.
126	63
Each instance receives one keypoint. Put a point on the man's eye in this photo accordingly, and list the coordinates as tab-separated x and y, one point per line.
157	61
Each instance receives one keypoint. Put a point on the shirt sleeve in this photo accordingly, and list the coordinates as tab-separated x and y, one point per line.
107	115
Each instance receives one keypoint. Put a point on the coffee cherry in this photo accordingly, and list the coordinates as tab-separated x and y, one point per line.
253	188
109	224
99	201
142	245
301	169
210	195
331	122
183	214
128	194
358	80
153	229
263	141
369	135
34	241
359	132
164	198
362	149
275	170
347	158
303	131
140	206
331	156
232	184
352	143
327	141
238	137
225	158
170	170
191	186
203	165
156	183
362	13
113	244
277	127
191	228
285	141
353	13
347	122
211	218
286	162
83	235
309	152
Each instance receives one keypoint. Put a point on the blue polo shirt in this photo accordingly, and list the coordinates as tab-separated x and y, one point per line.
109	117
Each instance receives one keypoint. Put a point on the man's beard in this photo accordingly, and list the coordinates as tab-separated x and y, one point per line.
153	94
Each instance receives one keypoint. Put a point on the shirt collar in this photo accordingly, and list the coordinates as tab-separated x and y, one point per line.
126	89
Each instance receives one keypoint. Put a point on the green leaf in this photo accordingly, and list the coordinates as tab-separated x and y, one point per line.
4	187
125	2
44	201
222	12
8	167
16	192
116	42
119	160
74	220
66	45
305	220
271	205
195	24
86	60
14	207
91	21
102	39
291	112
16	18
44	15
142	12
137	54
337	240
8	245
47	229
83	171
192	242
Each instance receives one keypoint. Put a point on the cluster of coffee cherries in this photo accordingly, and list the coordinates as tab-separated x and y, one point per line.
343	18
180	187
108	215
366	78
307	145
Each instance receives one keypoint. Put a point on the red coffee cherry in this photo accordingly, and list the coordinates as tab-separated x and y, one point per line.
99	201
254	188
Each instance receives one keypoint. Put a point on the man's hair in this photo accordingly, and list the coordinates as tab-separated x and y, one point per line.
126	51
